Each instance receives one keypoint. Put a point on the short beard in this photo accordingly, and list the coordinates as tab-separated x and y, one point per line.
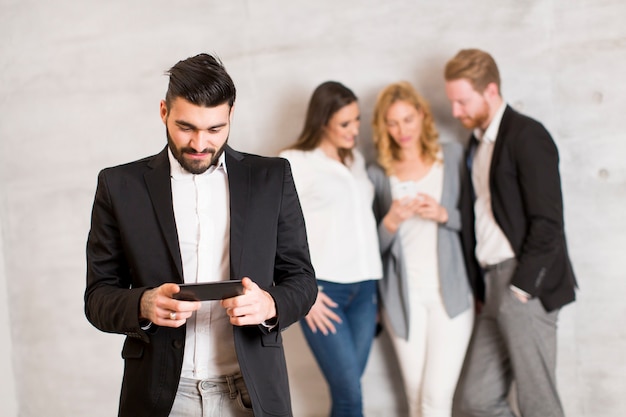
479	119
194	167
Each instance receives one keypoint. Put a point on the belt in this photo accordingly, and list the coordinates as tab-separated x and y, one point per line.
225	383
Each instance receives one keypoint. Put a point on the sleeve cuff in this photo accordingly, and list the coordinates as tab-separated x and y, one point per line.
270	324
520	291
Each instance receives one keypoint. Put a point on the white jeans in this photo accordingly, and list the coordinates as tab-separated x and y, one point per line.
222	397
431	360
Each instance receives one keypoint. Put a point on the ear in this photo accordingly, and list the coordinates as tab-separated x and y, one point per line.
232	111
492	90
163	111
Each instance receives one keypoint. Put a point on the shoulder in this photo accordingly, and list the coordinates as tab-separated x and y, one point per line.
137	166
525	134
517	122
357	155
451	149
452	153
358	160
302	163
255	160
375	171
295	154
377	176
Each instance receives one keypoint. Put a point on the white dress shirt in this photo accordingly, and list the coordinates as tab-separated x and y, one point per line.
492	246
337	202
202	213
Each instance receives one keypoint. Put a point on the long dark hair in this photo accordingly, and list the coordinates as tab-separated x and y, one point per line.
328	98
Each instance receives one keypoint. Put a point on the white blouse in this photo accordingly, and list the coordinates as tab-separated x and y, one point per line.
337	202
418	235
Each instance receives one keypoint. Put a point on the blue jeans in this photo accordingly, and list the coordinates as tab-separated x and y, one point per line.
342	356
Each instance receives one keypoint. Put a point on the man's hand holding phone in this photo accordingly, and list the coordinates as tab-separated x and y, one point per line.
254	306
159	306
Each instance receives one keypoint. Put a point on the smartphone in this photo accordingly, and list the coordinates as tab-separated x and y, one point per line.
209	291
404	189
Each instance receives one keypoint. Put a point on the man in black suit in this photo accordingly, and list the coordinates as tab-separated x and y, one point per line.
198	212
515	246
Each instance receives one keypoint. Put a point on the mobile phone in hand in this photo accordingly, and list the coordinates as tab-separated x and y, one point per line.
206	291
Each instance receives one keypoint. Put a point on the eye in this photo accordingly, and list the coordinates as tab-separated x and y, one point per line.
184	127
344	124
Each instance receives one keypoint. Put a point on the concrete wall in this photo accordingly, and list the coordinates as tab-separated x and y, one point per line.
80	84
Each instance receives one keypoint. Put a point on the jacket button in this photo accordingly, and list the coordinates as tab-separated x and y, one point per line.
177	344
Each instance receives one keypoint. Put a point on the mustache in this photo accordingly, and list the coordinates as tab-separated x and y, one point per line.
193	151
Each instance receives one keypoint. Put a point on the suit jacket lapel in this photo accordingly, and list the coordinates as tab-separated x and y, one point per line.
239	190
160	189
500	138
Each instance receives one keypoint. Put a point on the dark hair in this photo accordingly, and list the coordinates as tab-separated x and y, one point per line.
201	80
328	98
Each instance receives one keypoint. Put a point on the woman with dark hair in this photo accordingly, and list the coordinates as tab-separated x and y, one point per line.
336	197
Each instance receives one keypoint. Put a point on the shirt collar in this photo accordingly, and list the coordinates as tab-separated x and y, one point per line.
491	132
179	173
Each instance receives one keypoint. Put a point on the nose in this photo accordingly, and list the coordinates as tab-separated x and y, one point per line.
355	128
199	141
401	129
456	110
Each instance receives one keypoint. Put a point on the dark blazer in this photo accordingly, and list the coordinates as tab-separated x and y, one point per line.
528	206
133	246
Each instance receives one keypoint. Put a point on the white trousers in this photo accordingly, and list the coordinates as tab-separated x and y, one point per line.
431	360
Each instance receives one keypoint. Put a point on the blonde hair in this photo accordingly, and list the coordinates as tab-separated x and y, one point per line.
387	149
474	65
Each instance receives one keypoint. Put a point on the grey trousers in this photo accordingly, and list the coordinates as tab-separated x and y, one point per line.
512	341
220	397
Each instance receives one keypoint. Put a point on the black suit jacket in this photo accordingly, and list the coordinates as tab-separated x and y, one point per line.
528	206
133	246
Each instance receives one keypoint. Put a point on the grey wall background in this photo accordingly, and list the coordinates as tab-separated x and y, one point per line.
80	84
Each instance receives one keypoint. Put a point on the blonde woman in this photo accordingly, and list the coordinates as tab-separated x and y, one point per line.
425	293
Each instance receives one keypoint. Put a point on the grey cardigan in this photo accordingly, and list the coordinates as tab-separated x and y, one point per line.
454	284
